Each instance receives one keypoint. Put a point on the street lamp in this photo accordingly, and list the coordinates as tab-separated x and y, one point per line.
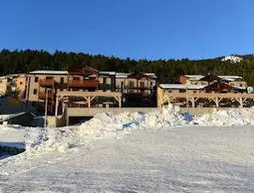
46	108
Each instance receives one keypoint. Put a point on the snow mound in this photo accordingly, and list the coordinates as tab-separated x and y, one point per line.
230	117
105	125
109	125
117	125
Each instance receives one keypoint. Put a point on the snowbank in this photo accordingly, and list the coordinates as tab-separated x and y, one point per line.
109	125
231	117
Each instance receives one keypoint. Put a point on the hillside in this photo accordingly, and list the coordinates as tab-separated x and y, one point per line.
167	70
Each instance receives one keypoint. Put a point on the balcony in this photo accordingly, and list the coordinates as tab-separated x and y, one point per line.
83	84
47	82
42	96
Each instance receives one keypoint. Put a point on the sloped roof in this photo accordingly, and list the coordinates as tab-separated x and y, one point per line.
86	70
182	86
125	75
225	77
50	72
112	73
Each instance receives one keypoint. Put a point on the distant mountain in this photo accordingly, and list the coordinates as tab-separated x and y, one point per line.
232	59
237	58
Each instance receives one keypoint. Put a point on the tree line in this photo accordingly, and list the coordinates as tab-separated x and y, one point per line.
23	61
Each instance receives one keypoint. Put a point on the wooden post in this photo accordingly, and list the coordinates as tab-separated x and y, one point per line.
56	107
217	102
120	102
89	101
67	120
193	102
241	102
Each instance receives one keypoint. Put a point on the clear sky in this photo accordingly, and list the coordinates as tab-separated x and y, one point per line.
137	29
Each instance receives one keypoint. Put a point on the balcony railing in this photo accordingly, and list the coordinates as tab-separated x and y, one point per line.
47	82
42	96
83	84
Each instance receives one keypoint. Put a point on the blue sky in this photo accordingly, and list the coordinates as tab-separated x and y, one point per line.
137	29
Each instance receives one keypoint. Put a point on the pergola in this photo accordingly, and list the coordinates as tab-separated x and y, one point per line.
87	96
216	98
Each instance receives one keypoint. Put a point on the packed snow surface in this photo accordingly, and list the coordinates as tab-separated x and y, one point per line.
135	152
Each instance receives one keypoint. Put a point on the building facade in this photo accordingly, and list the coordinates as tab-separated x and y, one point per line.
42	85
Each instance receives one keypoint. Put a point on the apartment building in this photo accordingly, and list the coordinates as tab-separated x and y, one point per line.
138	89
50	84
38	82
136	82
206	91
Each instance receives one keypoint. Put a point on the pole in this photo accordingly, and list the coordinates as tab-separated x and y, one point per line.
46	109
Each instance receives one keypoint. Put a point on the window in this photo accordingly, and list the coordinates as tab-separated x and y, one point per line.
142	85
131	84
241	85
104	80
62	80
76	78
36	79
35	91
122	84
21	83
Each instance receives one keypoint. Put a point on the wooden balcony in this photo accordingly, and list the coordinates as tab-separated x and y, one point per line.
42	96
47	82
83	84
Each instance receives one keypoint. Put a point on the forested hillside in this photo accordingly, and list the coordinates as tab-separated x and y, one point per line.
167	70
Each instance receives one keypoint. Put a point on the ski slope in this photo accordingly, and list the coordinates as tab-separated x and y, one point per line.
157	152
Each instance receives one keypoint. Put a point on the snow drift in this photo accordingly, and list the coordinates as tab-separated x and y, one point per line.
109	125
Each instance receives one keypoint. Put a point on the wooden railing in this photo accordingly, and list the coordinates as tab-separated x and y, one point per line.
43	96
83	84
47	82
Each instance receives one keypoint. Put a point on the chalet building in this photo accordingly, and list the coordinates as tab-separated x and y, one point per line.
206	91
88	87
138	89
235	81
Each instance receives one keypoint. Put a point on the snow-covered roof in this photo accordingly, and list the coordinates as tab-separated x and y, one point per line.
229	78
124	75
151	75
182	86
107	73
194	77
16	75
49	72
2	77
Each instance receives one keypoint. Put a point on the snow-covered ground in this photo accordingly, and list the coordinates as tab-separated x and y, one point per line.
135	152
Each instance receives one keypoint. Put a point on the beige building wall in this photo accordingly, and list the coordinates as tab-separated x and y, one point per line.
238	83
34	88
21	84
106	83
3	85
